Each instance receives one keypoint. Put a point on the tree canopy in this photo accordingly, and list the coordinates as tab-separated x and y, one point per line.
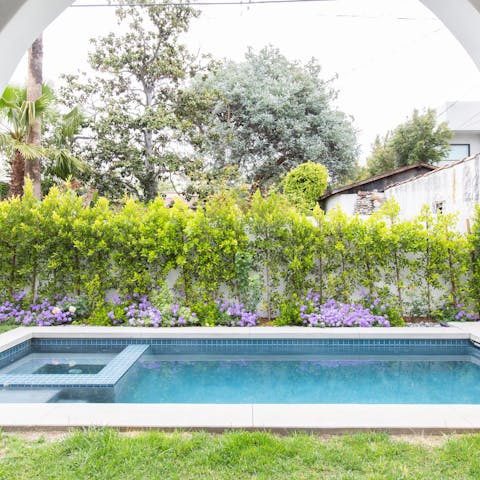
272	114
139	118
418	140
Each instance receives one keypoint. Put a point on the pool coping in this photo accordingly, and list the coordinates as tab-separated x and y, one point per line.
329	418
107	377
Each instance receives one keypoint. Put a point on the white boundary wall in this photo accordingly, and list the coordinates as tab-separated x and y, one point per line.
456	186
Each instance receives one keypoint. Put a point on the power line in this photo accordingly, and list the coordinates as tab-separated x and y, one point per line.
205	3
470	119
192	4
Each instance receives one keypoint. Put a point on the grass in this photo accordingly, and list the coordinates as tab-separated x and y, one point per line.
106	454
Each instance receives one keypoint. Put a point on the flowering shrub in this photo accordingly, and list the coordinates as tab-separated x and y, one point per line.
454	313
42	314
381	306
336	314
263	250
236	315
139	311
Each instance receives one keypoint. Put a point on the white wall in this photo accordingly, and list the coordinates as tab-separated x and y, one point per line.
345	201
461	116
458	186
473	138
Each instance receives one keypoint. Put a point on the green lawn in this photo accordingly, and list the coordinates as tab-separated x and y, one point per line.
105	454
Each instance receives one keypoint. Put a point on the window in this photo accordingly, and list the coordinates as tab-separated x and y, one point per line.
438	207
458	151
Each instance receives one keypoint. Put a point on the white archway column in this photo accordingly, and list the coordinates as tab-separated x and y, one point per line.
462	18
22	20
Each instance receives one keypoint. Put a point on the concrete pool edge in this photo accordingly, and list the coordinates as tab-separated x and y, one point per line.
325	418
457	330
328	418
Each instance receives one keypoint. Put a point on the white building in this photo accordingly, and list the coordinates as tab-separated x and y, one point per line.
366	196
453	188
463	118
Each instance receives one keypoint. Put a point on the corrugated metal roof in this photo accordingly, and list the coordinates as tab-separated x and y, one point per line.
378	177
439	169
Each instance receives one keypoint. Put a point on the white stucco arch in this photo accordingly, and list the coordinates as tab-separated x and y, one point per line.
21	21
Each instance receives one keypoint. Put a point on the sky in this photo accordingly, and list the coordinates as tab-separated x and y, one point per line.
388	56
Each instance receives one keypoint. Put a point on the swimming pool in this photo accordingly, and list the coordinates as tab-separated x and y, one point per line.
241	371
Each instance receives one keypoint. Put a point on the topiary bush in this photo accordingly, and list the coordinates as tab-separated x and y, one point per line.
305	184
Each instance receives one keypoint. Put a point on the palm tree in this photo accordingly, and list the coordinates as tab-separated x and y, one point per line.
18	115
61	163
34	92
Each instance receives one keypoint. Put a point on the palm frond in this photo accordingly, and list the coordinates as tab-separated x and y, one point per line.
5	141
71	123
28	152
14	95
63	163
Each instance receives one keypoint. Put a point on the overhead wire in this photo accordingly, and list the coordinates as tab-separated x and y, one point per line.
203	3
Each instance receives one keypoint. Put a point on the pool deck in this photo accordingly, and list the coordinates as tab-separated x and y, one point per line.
325	418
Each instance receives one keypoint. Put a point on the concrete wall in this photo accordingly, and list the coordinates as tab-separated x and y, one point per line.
472	138
346	201
457	186
461	116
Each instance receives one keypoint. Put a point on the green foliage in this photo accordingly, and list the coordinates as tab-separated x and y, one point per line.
289	312
138	114
165	300
3	190
474	271
382	304
213	238
210	314
248	283
264	255
145	244
271	115
305	184
21	243
418	140
99	316
268	234
19	114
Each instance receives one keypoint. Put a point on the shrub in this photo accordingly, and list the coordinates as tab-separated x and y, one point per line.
337	314
305	184
265	254
42	314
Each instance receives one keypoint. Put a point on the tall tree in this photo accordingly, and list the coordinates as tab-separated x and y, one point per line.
34	92
19	114
271	115
418	140
139	117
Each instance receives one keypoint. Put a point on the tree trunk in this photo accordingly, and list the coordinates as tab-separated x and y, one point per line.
34	91
17	175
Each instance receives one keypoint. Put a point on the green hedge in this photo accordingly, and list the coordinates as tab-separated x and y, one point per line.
59	246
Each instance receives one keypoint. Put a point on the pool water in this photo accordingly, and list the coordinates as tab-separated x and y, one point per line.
388	380
54	363
71	368
241	371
